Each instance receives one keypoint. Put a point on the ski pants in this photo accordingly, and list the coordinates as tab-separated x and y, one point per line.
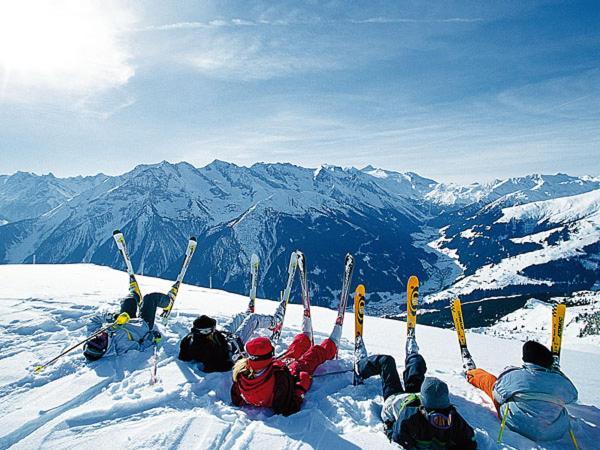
149	305
385	366
301	356
485	381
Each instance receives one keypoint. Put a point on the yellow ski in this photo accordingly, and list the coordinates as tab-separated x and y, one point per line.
459	325
359	314
558	323
412	302
134	287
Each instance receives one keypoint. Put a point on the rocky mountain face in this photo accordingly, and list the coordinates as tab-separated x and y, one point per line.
537	234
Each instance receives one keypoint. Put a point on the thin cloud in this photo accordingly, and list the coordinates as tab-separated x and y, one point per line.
215	23
177	26
386	20
238	22
250	58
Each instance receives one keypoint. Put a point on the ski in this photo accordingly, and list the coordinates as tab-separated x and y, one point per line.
306	318
359	314
133	284
189	253
284	299
412	302
254	263
459	325
558	323
346	279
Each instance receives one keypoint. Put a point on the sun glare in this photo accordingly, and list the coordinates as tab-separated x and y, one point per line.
70	45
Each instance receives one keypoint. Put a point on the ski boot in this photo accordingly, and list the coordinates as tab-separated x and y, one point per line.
360	352
411	345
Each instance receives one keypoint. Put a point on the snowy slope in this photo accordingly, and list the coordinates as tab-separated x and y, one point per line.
532	321
109	404
548	244
26	195
511	191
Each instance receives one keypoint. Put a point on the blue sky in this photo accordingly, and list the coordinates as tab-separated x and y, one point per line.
456	91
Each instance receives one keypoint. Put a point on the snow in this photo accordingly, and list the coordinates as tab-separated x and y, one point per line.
519	190
469	234
580	215
532	322
559	210
110	404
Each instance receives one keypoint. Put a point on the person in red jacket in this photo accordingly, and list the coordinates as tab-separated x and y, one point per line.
279	383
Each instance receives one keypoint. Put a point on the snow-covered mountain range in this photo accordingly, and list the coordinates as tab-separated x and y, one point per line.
535	235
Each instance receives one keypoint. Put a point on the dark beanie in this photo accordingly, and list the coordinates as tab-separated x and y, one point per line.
536	353
434	394
204	322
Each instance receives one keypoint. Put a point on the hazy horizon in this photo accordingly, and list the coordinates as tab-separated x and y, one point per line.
305	167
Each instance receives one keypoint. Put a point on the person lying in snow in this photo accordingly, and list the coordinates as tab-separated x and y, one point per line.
418	415
131	332
530	399
280	383
218	350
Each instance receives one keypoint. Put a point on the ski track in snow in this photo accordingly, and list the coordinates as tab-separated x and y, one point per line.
110	403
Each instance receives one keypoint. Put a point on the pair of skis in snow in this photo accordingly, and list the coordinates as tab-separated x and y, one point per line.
172	294
135	287
298	262
412	303
558	322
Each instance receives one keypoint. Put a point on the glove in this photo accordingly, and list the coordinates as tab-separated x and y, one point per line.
122	319
156	337
304	381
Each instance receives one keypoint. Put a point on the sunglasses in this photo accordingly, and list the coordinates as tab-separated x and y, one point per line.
260	357
204	331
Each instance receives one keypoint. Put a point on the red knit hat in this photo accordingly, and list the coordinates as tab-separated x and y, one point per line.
260	353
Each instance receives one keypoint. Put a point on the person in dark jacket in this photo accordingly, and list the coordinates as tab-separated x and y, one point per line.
207	345
218	350
418	415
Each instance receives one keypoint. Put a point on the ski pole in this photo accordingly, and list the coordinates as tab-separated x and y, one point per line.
503	424
121	320
154	370
575	445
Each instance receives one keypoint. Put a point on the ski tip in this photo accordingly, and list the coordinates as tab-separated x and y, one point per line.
360	290
193	238
413	280
117	231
